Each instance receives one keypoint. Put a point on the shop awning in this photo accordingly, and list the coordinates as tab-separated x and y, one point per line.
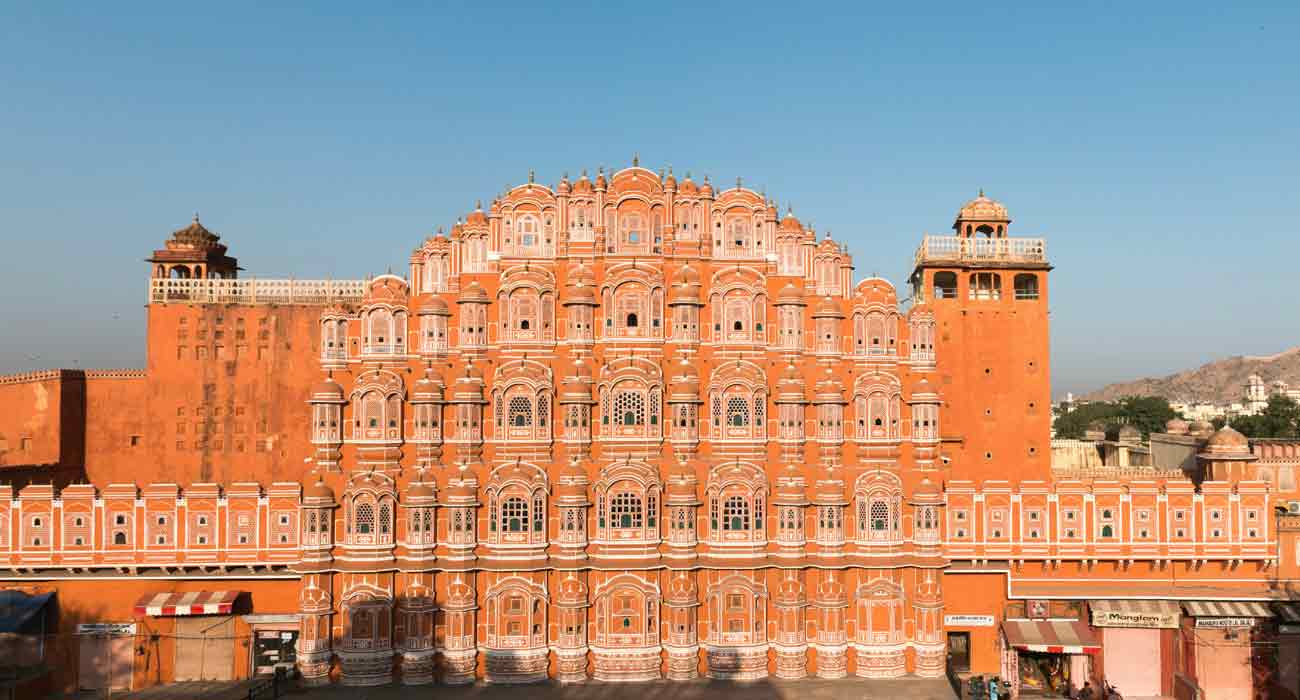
19	610
1158	614
1226	608
1051	636
187	603
1288	612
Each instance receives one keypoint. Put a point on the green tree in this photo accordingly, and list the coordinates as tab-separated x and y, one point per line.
1146	413
1279	419
1073	424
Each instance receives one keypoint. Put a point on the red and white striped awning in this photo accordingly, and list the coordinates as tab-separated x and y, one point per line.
188	603
1051	636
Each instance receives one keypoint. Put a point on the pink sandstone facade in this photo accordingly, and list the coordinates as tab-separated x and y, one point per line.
619	429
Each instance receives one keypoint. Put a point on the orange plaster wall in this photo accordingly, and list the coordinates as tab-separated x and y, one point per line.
978	594
32	410
236	413
116	442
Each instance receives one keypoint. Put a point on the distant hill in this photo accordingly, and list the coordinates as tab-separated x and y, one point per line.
1217	382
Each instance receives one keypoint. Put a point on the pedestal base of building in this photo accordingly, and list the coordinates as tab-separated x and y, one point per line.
458	667
738	663
683	663
516	666
571	665
931	660
885	661
314	667
366	668
832	661
621	665
417	667
791	662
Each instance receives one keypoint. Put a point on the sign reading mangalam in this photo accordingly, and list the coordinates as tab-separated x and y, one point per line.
1129	618
967	620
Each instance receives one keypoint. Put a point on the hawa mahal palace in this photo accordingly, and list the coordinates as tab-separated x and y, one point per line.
623	428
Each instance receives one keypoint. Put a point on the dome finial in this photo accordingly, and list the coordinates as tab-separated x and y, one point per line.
738	182
531	176
981	191
196	217
636	160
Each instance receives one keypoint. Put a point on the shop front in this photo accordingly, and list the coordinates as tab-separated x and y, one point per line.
1223	636
1042	657
275	642
203	631
1137	639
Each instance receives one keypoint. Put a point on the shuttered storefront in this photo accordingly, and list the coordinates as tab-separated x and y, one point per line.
106	657
205	648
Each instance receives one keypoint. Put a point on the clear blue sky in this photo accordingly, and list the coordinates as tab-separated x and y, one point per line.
1155	148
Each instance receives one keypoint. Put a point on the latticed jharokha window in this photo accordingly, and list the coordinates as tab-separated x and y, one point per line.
625	511
629	408
735	513
365	519
879	516
514	515
737	412
521	411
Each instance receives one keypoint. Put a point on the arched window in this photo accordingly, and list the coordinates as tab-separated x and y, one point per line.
1026	287
514	515
945	285
365	519
737	412
735	513
879	517
528	234
520	412
625	511
632	232
629	408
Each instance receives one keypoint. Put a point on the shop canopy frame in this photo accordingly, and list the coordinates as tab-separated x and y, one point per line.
1051	636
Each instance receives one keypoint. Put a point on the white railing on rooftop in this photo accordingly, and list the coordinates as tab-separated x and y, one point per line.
254	291
957	248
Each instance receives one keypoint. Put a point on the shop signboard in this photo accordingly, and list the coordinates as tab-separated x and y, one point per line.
1224	622
967	620
1132	618
116	629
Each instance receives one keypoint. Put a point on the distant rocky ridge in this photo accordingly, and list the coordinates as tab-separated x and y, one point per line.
1218	382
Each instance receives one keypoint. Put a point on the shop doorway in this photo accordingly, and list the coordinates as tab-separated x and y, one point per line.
1044	674
274	649
959	652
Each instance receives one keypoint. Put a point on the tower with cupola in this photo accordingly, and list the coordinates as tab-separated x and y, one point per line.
988	295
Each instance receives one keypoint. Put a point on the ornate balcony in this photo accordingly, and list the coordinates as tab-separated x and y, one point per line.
959	249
